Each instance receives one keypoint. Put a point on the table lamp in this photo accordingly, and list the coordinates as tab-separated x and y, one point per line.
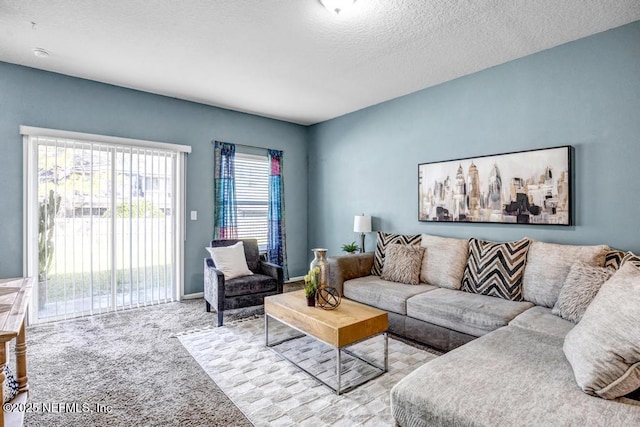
362	224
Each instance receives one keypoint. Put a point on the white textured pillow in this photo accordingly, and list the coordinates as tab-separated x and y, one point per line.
548	266
230	260
402	264
582	285
444	261
604	348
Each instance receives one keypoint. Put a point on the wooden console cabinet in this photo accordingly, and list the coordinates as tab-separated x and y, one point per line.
15	295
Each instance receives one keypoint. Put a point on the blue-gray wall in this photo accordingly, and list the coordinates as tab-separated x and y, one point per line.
585	94
37	98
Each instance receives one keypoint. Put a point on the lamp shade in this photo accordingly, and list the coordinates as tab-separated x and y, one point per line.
362	224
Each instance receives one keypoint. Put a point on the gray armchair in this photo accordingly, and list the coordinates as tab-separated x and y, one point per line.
247	291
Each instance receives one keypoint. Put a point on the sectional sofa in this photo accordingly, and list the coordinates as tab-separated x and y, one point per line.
517	325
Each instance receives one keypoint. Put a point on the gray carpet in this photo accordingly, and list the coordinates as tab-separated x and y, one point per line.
130	361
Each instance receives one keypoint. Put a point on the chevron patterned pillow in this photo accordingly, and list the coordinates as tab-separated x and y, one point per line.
631	258
496	269
385	239
613	259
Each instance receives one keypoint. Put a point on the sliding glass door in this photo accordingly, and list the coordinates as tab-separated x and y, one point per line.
107	224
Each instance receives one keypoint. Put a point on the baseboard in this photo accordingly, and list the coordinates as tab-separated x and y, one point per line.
193	296
295	279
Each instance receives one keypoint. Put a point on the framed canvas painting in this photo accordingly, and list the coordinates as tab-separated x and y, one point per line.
524	187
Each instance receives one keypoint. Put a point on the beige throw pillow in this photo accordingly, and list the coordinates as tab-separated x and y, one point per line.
444	261
548	265
579	289
230	260
386	239
604	348
402	264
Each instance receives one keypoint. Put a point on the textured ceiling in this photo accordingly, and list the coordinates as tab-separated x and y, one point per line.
291	59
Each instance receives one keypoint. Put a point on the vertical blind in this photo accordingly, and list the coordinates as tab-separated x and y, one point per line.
252	195
107	226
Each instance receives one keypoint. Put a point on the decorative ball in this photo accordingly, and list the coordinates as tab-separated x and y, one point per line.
328	298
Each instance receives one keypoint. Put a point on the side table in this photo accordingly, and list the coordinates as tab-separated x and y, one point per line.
15	296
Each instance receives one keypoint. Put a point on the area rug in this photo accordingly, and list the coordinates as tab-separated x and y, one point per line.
272	392
129	363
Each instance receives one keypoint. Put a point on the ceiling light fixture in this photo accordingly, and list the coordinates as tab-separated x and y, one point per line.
40	52
337	6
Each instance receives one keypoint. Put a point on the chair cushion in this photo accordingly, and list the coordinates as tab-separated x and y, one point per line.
230	260
444	261
254	284
471	314
548	265
385	295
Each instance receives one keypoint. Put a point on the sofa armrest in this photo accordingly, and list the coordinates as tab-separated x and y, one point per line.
275	271
213	285
347	267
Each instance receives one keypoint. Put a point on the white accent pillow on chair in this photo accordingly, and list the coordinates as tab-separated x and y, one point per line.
230	260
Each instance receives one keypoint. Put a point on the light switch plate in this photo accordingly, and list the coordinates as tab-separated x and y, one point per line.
194	215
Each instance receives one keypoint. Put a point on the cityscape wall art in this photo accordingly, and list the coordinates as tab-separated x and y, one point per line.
525	187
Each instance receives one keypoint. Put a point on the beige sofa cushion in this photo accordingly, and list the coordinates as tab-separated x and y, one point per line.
548	265
604	348
444	261
511	377
385	295
471	314
540	319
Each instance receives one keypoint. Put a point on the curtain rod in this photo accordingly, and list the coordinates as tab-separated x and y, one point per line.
213	141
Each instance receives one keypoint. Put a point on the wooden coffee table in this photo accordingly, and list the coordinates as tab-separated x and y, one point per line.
348	324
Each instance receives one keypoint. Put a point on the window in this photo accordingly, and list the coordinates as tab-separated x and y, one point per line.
103	218
252	196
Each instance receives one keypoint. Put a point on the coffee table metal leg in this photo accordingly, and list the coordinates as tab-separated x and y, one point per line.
386	352
338	389
338	366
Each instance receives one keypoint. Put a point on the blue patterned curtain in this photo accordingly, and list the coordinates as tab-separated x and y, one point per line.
276	244
225	224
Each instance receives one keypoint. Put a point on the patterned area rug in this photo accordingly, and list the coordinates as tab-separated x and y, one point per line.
272	392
